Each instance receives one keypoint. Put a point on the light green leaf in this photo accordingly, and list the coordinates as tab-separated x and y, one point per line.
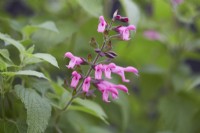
5	54
3	65
29	29
38	109
49	25
92	7
15	43
47	57
91	108
194	83
31	49
26	72
131	10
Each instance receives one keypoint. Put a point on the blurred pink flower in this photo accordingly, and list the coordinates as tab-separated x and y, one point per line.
125	31
152	35
177	2
73	60
109	88
98	71
75	79
86	84
102	24
120	71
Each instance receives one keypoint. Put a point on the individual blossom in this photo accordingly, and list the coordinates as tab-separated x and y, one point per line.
75	79
102	24
152	35
107	70
120	71
98	71
108	88
124	31
74	60
86	84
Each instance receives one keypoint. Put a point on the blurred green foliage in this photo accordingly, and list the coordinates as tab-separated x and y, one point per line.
165	98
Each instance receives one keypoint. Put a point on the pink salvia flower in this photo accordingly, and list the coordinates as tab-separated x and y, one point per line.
152	35
102	24
107	70
86	84
120	71
125	31
74	60
109	88
98	71
75	79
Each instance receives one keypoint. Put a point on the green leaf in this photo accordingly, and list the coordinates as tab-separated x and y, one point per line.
49	25
47	57
131	10
38	109
3	65
91	108
5	54
194	83
92	7
26	72
15	43
8	127
29	29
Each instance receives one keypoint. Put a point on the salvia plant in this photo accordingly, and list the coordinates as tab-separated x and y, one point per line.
26	80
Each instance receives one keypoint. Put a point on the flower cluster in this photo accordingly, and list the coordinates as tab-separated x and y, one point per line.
99	81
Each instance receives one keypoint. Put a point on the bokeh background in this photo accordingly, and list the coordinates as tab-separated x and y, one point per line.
164	98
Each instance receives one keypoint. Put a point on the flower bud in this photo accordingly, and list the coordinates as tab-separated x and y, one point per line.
93	43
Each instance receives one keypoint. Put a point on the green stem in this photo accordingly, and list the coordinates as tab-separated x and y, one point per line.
3	106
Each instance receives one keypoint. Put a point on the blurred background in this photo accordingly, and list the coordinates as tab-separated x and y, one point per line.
164	98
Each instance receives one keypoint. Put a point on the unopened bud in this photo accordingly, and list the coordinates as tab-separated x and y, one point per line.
124	19
93	43
108	47
89	58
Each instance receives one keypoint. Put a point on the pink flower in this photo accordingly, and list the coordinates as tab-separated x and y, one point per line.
109	88
75	79
152	35
86	84
120	71
102	24
177	2
98	71
124	31
107	70
73	60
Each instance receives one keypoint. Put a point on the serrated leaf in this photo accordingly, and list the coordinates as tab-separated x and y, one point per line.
92	7
91	108
131	10
38	109
25	72
5	54
47	57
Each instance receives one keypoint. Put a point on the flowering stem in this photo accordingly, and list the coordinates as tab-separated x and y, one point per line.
88	73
